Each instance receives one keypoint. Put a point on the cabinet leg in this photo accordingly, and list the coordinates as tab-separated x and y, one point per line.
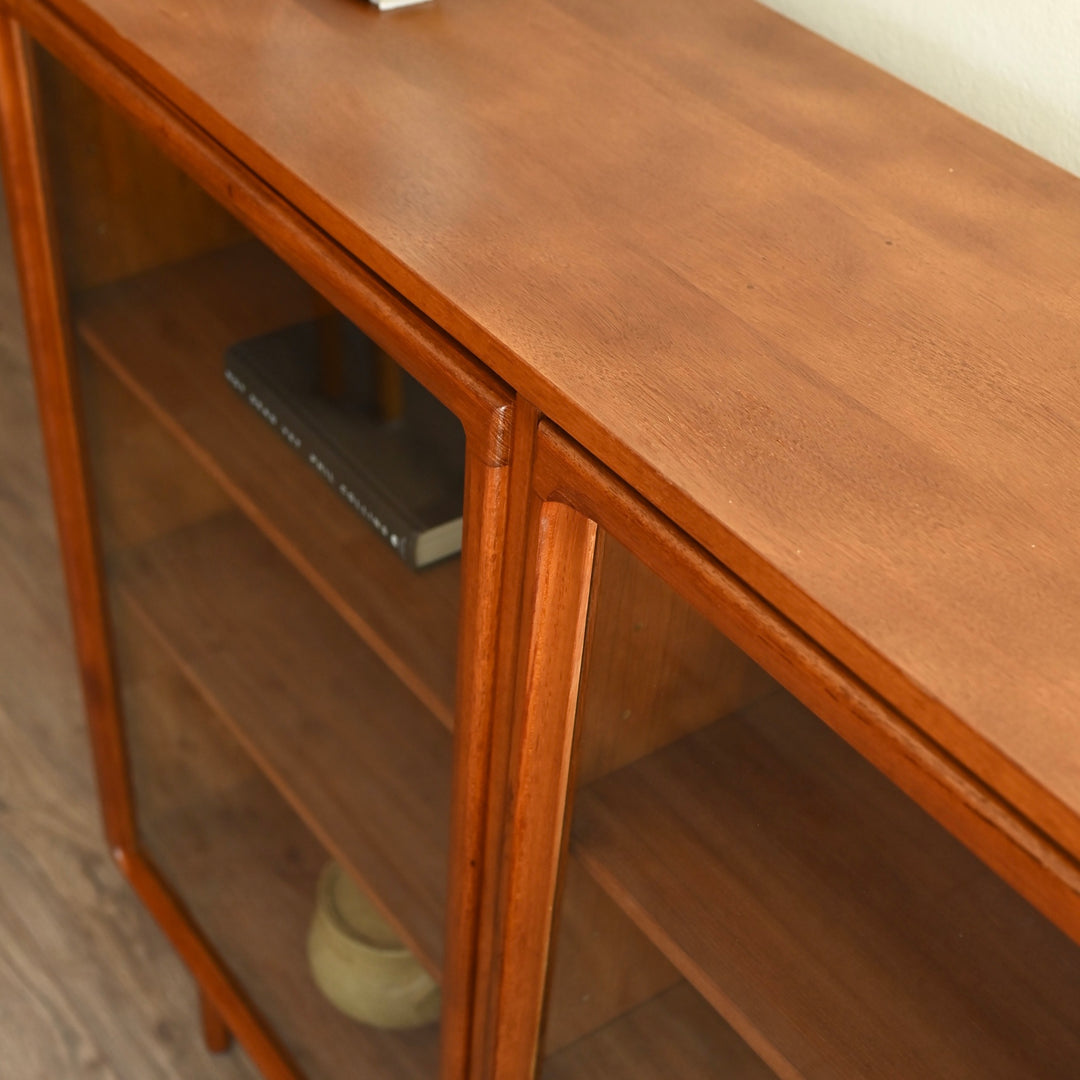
216	1035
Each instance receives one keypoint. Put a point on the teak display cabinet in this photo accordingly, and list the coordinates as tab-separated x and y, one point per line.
740	739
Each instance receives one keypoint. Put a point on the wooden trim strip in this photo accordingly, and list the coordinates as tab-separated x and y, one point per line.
558	570
488	944
210	974
483	552
55	376
216	1034
478	397
1017	850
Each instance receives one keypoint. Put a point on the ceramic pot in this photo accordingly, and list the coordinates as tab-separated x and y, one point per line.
360	964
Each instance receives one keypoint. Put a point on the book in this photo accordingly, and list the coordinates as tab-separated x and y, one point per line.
389	448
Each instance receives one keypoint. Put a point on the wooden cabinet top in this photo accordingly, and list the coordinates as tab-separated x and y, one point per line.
825	324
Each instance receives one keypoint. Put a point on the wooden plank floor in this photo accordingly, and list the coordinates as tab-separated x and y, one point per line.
88	986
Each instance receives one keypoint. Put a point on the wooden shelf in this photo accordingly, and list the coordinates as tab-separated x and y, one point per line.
836	927
164	334
675	1034
245	867
358	757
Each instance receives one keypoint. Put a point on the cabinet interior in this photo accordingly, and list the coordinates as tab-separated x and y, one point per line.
825	917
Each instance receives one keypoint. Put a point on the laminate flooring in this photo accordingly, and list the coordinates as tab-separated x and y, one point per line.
89	988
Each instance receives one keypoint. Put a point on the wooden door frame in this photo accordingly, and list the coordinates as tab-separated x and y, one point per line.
481	401
572	495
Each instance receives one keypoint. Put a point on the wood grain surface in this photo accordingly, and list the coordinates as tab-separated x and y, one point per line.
838	929
134	460
110	188
972	811
823	322
674	1034
602	966
654	669
539	780
485	577
483	405
52	356
503	687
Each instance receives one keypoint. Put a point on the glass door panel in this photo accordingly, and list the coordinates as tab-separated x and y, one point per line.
744	896
279	511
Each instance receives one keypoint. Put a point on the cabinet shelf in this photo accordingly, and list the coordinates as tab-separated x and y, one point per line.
361	761
839	929
674	1034
164	334
245	867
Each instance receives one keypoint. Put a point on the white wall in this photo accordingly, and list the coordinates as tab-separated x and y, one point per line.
1012	64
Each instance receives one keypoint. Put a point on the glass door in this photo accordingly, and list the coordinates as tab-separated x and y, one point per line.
282	492
702	878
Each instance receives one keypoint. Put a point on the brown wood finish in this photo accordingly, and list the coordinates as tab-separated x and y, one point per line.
837	928
86	977
479	399
603	965
560	548
483	550
573	491
216	1034
489	943
205	965
595	981
484	408
245	867
831	371
159	700
407	601
110	187
674	1034
409	619
683	675
217	858
45	314
164	334
835	350
358	758
1024	856
654	669
54	373
134	459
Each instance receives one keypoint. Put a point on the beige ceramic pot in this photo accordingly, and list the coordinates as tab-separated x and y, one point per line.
359	963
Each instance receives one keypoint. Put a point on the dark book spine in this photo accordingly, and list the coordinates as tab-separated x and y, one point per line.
348	482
